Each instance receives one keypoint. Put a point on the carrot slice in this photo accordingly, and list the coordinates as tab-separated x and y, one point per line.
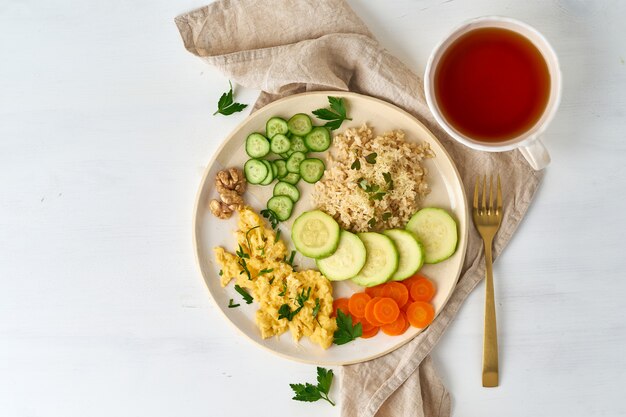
420	314
371	333
410	280
357	304
365	325
376	291
386	310
341	304
422	289
397	327
397	291
369	311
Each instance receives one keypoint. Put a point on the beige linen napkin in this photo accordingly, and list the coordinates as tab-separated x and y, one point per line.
284	47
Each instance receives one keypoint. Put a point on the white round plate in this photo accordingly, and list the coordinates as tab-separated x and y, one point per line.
209	231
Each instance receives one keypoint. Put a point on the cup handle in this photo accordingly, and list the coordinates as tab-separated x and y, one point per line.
536	154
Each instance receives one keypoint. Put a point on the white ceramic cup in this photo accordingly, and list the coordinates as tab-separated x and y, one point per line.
529	142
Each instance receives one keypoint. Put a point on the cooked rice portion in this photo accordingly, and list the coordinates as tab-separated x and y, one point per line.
379	195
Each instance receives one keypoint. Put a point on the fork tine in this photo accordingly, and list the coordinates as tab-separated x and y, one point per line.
476	194
491	208
483	202
499	196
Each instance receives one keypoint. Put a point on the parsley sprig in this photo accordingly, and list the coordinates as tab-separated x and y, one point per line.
373	190
346	332
227	105
335	115
284	312
311	393
242	261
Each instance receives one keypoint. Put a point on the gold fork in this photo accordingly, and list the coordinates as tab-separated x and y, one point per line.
487	219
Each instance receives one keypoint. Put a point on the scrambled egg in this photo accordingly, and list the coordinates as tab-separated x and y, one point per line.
273	282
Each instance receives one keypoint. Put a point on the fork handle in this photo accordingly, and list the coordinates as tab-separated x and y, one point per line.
490	338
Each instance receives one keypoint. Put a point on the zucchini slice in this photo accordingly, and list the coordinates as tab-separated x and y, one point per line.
410	252
315	234
381	262
347	260
437	231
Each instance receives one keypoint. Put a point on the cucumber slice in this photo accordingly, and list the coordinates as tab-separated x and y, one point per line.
257	145
280	143
410	251
270	173
347	260
274	169
318	140
312	169
298	145
300	124
284	188
281	165
292	178
315	234
381	262
437	231
293	163
255	171
274	126
281	205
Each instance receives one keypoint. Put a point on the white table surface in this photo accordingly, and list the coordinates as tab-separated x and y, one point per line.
105	128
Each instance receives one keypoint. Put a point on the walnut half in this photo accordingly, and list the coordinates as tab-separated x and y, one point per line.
230	183
220	209
231	179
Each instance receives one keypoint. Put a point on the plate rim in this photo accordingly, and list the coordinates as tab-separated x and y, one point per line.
212	160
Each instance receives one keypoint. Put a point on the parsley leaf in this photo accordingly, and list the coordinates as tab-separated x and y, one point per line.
265	271
221	273
356	164
226	104
346	332
284	312
310	393
231	305
371	158
246	297
386	216
306	392
271	281
371	222
388	180
378	196
324	379
335	115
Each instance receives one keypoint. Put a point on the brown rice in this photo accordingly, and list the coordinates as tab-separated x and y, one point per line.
361	198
